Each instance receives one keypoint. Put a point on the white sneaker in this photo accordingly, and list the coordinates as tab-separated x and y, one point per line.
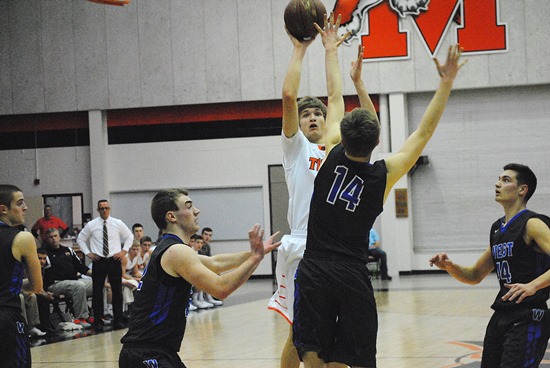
212	301
201	304
35	331
192	307
68	326
204	302
82	322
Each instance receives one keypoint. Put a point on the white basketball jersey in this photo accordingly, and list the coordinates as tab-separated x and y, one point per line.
301	161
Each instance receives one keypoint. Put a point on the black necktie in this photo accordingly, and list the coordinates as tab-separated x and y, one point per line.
105	240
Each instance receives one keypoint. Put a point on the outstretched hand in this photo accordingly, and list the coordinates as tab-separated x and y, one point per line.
269	245
257	245
449	70
329	34
357	65
440	260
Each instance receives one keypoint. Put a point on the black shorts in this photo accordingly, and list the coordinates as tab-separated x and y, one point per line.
147	357
335	312
15	348
516	338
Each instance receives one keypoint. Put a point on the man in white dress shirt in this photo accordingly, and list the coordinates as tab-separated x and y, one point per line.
106	240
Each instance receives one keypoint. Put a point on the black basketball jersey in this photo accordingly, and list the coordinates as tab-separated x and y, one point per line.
347	198
11	270
518	262
159	313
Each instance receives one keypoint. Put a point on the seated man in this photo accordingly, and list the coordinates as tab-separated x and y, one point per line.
63	276
197	299
378	254
144	253
36	307
130	275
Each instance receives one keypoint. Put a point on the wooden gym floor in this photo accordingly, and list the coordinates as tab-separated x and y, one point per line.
424	321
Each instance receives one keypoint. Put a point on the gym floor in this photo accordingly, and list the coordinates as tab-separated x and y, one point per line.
424	321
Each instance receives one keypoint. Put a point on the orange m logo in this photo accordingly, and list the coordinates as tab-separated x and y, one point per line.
479	30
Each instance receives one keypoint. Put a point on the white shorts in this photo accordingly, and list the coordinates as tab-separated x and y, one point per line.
289	255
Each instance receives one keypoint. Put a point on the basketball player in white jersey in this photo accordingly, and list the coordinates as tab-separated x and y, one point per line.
303	152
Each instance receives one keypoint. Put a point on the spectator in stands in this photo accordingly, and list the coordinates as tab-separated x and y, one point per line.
49	221
130	269
144	253
198	242
197	298
63	276
130	275
205	250
206	235
192	241
378	254
137	230
194	300
200	299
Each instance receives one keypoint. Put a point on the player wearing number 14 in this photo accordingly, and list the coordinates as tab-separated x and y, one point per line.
518	332
335	319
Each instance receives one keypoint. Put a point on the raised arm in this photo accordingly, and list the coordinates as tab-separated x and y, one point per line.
400	163
291	85
335	106
355	74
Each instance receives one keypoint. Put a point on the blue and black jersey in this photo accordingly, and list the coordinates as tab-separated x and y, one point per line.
11	270
159	313
518	262
347	198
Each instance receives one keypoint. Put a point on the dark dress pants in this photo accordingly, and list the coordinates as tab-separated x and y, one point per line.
112	268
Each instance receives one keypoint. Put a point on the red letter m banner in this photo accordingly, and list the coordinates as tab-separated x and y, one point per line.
376	22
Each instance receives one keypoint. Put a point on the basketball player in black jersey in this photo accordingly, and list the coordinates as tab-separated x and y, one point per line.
335	319
159	314
17	254
519	252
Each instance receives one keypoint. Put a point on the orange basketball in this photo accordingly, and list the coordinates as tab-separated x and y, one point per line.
300	16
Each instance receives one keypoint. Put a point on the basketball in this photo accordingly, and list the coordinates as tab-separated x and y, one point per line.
300	16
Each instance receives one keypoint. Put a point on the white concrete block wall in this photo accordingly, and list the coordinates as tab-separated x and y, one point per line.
123	57
64	55
58	52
